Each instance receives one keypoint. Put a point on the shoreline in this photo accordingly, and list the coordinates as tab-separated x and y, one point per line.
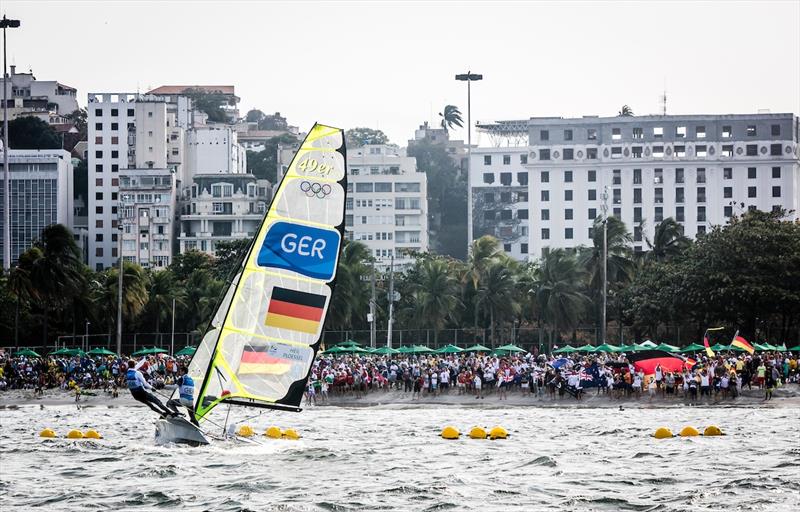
784	397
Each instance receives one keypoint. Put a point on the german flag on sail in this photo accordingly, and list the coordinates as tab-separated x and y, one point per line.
295	310
258	360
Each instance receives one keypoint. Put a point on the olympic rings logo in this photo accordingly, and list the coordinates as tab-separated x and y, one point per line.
314	189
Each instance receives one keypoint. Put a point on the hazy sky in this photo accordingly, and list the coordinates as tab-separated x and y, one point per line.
391	65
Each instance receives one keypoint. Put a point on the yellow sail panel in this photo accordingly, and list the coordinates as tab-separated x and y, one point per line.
270	333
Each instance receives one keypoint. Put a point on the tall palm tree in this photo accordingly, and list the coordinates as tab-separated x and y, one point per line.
483	252
163	289
451	117
135	283
498	291
435	294
625	111
203	293
668	240
558	290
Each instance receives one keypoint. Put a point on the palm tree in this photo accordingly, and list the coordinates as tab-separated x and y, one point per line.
619	254
451	117
351	296
498	291
625	111
668	240
134	292
163	289
435	294
558	290
483	252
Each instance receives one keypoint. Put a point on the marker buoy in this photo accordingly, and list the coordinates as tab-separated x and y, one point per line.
273	432
92	434
498	433
245	431
48	432
689	431
663	433
478	433
450	432
291	433
75	434
712	430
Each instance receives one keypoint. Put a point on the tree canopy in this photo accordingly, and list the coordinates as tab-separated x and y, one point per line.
32	133
357	137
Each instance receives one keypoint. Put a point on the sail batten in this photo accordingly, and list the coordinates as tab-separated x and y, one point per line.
266	333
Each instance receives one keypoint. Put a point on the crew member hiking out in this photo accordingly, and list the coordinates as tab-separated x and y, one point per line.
138	387
186	391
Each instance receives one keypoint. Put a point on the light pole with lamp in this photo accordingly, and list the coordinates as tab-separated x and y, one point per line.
605	261
119	290
86	335
4	24
469	77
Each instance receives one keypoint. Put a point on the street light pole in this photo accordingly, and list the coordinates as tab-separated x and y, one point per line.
469	77
119	292
86	336
605	261
172	338
6	23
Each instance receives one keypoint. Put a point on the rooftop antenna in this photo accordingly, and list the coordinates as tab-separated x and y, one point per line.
663	99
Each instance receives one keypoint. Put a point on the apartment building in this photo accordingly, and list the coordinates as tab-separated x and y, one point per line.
41	194
698	169
48	100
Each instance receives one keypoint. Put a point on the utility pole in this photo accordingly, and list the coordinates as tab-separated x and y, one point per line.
605	261
4	24
172	337
469	77
86	335
372	311
119	291
391	302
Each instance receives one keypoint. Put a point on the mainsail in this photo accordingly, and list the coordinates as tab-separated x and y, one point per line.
266	332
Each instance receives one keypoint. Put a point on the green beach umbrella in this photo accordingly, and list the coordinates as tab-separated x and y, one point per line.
477	348
26	352
764	346
186	351
385	351
564	350
149	351
627	348
421	349
781	347
71	352
510	348
100	351
796	348
585	348
694	347
335	350
605	347
647	345
719	347
405	349
449	349
668	348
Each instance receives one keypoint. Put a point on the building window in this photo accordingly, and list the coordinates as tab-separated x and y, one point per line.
701	214
617	196
680	151
616	177
775	150
592	213
507	247
616	134
506	159
700	132
636	152
360	187
592	194
728	211
751	130
617	213
544	154
658	176
658	151
98	154
545	195
701	194
567	176
568	214
506	215
568	195
114	167
679	215
505	197
591	134
638	133
776	172
544	135
658	216
751	150
522	178
545	214
591	153
522	197
592	176
567	134
679	195
114	112
701	151
727	192
659	195
505	178
637	233
776	130
776	191
568	154
523	248
727	133
114	154
523	158
545	234
98	167
658	132
616	152
701	230
727	150
568	233
637	196
637	214
487	159
680	132
751	191
701	175
751	173
637	176
678	175
544	177
727	173
98	112
522	214
488	177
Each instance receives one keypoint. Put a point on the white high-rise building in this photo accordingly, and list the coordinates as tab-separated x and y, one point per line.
215	149
387	203
147	218
41	195
698	169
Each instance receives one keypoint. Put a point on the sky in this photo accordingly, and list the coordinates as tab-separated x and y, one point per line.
391	65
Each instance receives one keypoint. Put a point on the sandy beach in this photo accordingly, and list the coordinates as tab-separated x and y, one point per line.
786	396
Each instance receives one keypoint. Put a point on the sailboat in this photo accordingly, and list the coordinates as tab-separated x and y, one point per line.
263	337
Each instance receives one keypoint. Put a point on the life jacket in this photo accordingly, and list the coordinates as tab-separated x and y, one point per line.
130	377
186	388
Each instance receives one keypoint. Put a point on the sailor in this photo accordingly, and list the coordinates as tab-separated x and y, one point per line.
186	391
138	388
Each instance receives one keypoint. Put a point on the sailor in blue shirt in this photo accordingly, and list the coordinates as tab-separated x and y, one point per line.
186	391
138	388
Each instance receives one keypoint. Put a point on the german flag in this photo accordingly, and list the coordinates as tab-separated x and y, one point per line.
742	343
295	310
258	360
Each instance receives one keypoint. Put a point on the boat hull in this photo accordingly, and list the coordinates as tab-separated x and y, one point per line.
178	431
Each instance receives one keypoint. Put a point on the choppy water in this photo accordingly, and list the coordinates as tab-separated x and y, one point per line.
393	459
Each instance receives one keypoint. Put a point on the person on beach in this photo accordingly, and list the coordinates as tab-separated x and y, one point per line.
139	387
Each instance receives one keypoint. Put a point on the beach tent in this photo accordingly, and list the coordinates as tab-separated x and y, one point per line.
100	351
585	348
605	347
668	348
26	352
385	351
564	350
186	351
449	349
510	348
71	352
694	347
477	348
150	351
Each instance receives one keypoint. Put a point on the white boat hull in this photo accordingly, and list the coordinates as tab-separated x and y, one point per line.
178	431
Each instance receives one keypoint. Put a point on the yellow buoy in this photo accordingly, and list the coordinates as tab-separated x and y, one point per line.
75	434
245	431
498	433
291	433
48	432
273	432
478	433
689	431
450	432
92	434
663	433
712	430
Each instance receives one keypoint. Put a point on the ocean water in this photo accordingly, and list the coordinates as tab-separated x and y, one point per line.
392	458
